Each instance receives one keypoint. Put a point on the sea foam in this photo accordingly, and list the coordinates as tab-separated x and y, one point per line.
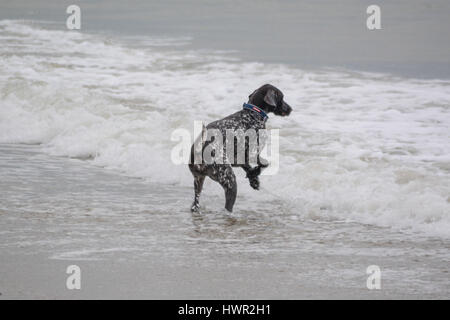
365	147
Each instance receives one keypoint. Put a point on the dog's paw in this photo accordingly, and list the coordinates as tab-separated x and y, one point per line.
195	208
263	163
254	173
254	183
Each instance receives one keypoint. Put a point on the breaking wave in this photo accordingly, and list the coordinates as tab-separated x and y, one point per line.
365	147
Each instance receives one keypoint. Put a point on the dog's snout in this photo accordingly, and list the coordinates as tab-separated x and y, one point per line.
286	109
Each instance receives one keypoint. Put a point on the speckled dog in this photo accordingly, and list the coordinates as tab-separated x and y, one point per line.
264	100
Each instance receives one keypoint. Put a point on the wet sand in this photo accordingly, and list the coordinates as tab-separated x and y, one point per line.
31	276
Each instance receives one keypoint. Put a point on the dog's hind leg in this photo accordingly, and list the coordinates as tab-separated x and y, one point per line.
225	176
230	195
198	186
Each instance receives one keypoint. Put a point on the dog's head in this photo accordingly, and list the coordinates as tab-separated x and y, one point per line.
270	99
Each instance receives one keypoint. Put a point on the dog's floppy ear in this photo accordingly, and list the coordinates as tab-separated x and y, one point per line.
250	96
270	98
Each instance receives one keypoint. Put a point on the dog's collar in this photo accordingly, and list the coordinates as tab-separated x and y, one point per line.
256	109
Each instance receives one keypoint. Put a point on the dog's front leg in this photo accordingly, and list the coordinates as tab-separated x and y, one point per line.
252	175
263	163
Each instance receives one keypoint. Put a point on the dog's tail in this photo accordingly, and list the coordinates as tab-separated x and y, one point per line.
200	141
197	147
204	133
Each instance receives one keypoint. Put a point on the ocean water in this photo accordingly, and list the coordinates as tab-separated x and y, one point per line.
364	147
364	157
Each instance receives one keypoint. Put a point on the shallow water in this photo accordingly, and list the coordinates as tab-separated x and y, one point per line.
68	210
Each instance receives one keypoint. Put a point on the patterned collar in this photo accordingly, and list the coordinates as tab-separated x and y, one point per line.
256	109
